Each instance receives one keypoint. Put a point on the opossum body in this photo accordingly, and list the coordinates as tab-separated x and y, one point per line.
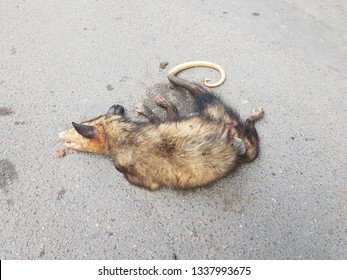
182	152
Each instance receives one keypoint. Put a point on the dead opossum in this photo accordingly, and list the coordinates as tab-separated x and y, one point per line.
182	152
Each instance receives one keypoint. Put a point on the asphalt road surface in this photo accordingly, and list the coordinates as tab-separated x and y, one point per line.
63	61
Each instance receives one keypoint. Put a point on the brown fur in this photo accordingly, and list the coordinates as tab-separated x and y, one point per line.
180	152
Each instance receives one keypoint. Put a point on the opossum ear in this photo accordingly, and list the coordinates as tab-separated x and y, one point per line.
116	110
87	131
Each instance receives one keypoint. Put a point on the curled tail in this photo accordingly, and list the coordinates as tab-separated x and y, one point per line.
191	64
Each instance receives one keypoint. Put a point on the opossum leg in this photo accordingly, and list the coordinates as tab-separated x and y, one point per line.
131	174
257	114
148	113
192	88
171	109
138	182
251	136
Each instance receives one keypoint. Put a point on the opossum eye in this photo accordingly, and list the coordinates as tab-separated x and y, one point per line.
116	110
87	131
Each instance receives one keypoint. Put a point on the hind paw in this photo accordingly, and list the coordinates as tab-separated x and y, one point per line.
162	102
148	113
141	109
257	113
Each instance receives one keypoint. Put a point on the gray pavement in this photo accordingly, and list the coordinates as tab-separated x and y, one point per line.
64	61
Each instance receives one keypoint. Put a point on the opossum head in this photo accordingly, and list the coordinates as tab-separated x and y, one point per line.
91	136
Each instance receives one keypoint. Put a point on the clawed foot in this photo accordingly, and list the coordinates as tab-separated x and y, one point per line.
148	113
171	109
141	109
162	102
257	114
